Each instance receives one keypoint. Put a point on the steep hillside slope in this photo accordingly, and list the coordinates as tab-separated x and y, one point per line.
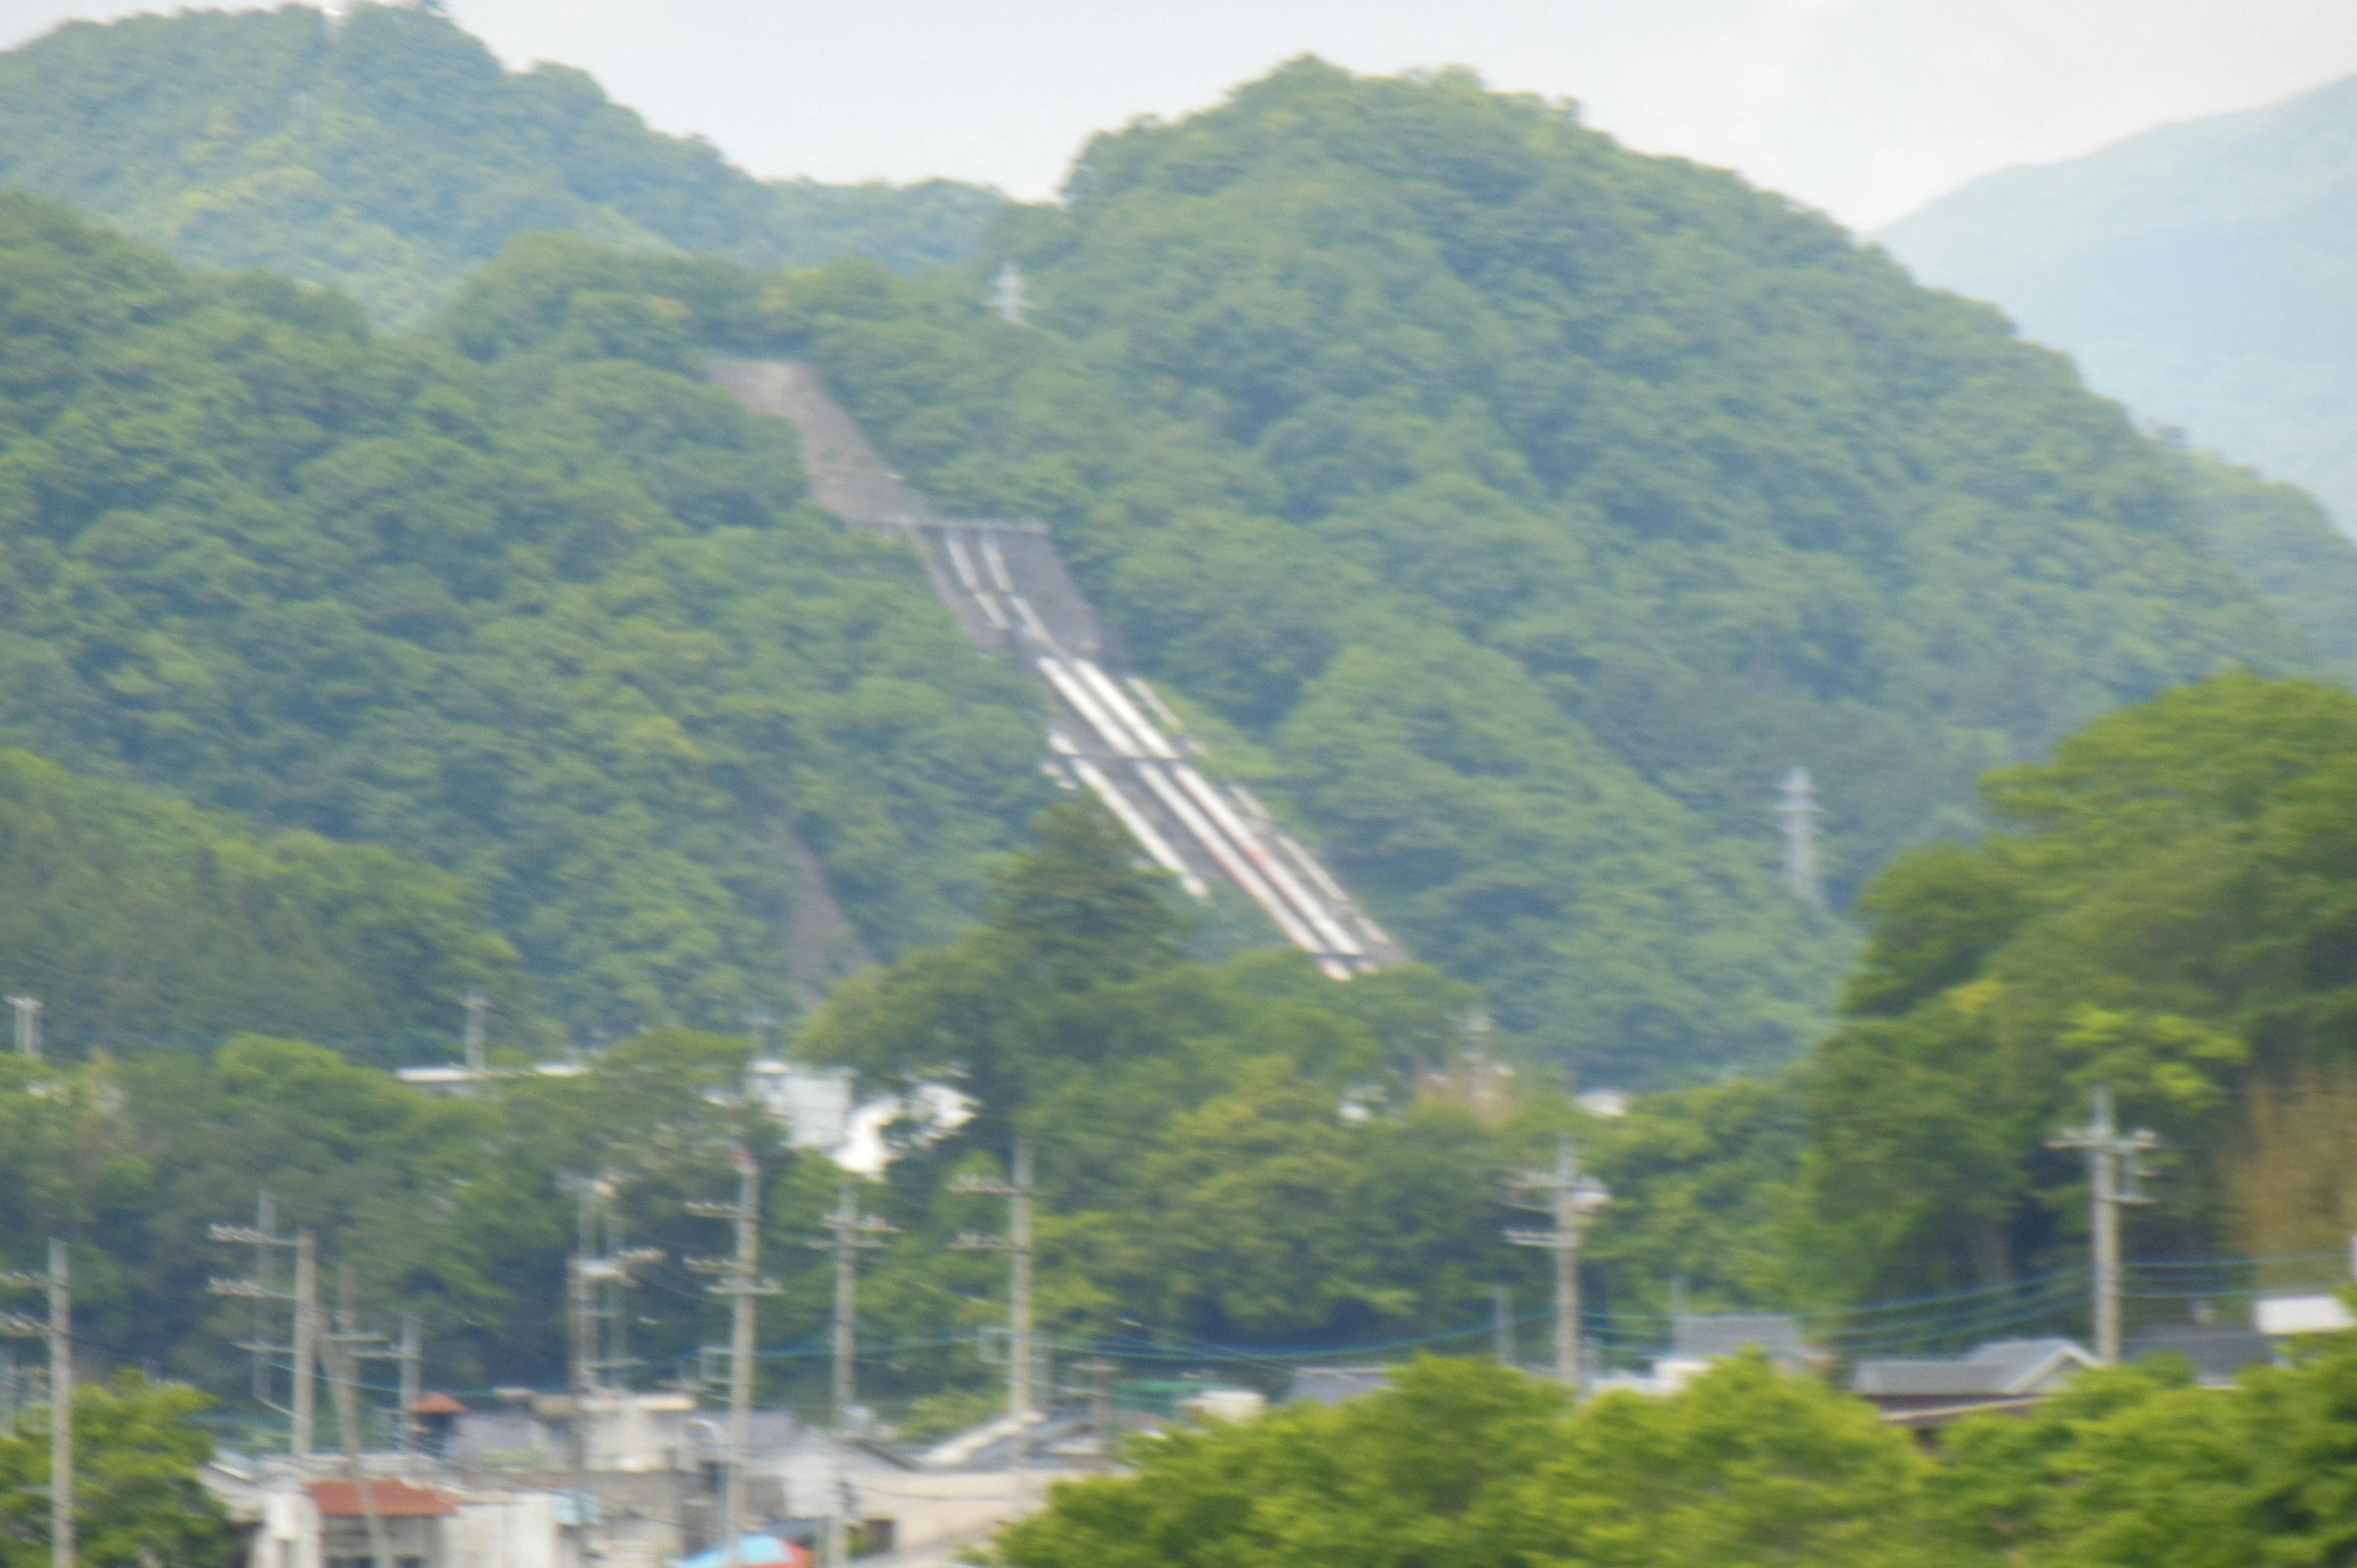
390	154
1527	508
2205	273
554	616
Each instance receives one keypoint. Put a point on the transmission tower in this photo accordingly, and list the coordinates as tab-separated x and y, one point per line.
1017	1245
58	1329
740	1280
2116	1173
1799	810
1567	1195
478	1006
1007	296
29	1025
850	1232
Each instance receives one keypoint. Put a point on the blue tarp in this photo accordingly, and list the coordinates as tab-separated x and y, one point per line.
753	1552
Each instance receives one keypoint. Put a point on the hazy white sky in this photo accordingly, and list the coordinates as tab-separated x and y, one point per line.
1867	108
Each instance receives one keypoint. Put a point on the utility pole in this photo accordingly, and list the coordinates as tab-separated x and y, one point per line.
2115	1170
59	1331
411	1355
1799	810
595	1278
1568	1197
739	1280
1017	1245
341	1347
29	1025
851	1231
305	1298
478	1004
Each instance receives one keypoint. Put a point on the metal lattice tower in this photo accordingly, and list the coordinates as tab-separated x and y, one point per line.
1006	295
1799	810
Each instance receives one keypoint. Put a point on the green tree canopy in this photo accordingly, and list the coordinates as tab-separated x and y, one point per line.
544	609
1519	510
386	154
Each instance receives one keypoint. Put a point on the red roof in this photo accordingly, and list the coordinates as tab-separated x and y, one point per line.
438	1404
394	1499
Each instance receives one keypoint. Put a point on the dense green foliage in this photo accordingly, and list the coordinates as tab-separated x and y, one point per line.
1471	1465
135	918
2201	272
2279	541
547	610
1199	1176
138	1501
2169	913
1522	509
389	156
1198	1173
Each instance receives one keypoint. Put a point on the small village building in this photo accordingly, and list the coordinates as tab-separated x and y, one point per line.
2005	1374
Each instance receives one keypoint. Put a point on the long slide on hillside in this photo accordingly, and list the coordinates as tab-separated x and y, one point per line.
1108	733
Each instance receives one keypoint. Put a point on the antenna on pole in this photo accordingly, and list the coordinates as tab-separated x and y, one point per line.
1007	297
1799	810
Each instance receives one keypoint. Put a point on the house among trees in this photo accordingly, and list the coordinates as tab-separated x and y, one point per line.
2006	1374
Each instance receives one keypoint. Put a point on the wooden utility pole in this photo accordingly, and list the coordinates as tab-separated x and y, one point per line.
59	1331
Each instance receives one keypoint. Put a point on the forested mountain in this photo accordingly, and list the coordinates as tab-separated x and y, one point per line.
2202	272
388	154
556	617
138	919
1523	509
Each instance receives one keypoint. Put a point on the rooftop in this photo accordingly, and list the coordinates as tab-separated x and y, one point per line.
394	1499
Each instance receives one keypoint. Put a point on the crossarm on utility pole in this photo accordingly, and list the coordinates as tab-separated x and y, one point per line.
1567	1195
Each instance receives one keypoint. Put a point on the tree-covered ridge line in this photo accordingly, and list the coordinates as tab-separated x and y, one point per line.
534	602
389	155
1532	506
138	920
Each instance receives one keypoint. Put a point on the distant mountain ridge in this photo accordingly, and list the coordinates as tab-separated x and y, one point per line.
2204	273
389	155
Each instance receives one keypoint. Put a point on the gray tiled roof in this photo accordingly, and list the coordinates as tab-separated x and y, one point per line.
1993	1370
